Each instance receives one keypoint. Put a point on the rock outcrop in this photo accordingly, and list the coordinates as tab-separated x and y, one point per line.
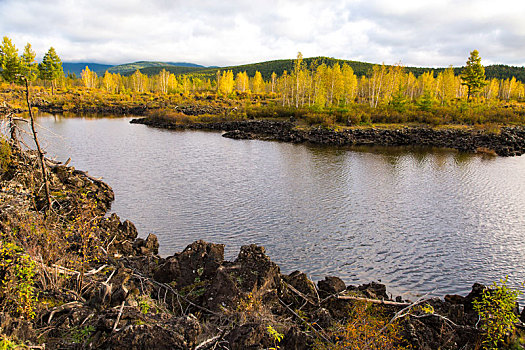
510	141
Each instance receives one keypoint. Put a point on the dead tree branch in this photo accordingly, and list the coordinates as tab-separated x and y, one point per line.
39	150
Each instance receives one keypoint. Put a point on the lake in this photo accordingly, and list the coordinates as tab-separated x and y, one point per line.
419	220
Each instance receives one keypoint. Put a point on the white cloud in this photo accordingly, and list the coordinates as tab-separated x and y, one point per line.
424	33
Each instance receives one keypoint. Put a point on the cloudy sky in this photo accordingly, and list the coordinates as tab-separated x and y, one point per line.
214	32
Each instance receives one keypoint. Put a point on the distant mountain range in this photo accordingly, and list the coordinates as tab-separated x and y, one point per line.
125	69
266	68
76	68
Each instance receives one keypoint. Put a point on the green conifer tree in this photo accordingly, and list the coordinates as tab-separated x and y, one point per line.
9	61
473	75
28	66
51	68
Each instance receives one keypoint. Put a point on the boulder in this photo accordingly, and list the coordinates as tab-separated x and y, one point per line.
180	334
148	246
374	290
248	336
222	291
433	332
16	328
152	243
302	283
199	260
475	294
295	339
238	135
128	230
455	299
331	285
323	318
256	270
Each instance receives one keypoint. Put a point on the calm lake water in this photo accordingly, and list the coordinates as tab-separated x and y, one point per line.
418	220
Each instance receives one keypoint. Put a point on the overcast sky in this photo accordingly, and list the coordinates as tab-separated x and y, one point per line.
217	32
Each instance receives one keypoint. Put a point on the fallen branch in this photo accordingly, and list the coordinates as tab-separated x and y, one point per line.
401	313
119	316
95	271
211	341
373	301
437	315
62	270
63	307
306	298
67	271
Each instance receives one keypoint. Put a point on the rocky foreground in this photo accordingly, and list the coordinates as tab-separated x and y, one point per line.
510	141
96	285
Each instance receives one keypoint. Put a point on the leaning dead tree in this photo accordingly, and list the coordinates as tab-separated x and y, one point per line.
39	150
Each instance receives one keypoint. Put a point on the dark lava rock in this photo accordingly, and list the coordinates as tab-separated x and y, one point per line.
128	230
475	294
323	318
522	317
16	328
257	271
455	299
199	259
248	336
152	243
510	141
295	339
302	283
120	234
149	246
331	285
238	135
222	291
181	334
374	290
433	332
122	230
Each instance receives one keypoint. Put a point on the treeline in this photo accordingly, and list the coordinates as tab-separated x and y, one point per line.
316	85
360	68
336	85
309	82
14	67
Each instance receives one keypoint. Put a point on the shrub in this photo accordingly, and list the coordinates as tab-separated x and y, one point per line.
365	328
496	313
16	285
5	155
80	335
354	119
272	111
8	344
425	102
276	337
399	102
322	119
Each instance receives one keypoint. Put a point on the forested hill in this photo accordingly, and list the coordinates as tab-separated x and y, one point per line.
130	68
266	68
501	71
77	67
360	68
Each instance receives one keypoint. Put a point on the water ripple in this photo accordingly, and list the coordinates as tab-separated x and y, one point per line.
416	219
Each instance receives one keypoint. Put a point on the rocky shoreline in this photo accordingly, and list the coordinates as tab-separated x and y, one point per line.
509	142
117	109
128	297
